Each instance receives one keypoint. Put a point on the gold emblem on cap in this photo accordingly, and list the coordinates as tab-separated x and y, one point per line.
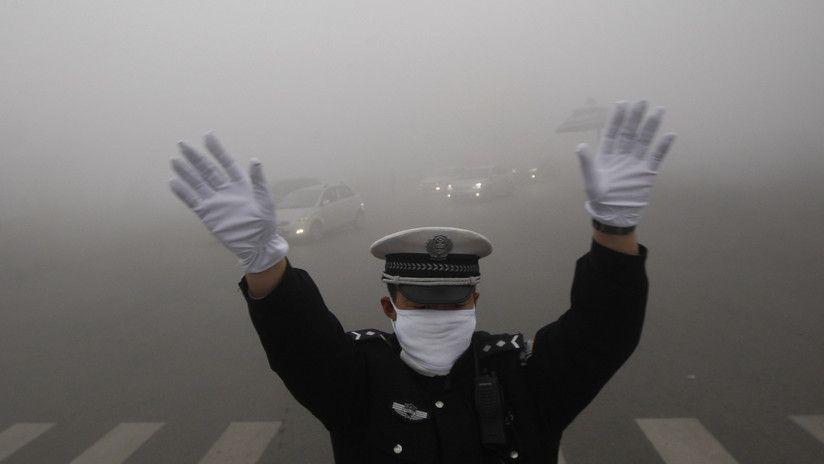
439	247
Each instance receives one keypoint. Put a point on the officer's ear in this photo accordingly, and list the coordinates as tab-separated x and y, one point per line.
388	309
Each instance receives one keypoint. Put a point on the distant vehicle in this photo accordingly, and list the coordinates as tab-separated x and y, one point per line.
536	175
436	184
309	213
284	187
545	171
482	182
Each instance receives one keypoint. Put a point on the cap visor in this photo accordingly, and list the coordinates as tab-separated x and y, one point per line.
437	294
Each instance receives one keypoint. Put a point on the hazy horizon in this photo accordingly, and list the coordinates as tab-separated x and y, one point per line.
95	95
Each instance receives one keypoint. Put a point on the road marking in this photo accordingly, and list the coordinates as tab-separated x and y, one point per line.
684	441
117	445
19	435
814	425
242	443
677	441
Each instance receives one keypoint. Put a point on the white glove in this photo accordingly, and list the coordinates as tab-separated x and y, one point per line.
619	178
237	209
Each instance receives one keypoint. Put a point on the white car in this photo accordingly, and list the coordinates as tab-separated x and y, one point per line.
310	212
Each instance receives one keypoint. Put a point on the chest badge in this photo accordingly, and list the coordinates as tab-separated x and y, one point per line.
409	411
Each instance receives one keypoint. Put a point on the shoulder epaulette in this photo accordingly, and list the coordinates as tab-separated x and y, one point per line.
367	334
499	343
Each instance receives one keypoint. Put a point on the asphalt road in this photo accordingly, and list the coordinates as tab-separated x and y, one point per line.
125	337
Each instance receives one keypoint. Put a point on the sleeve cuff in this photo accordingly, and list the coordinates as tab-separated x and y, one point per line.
617	266
244	287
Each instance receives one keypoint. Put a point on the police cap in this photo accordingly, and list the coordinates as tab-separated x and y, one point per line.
433	265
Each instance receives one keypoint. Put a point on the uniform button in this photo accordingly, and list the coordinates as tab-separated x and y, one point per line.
397	449
439	404
513	454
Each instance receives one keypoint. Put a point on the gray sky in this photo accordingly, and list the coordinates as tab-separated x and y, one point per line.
94	95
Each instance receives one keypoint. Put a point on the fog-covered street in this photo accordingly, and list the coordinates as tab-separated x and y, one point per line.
124	336
161	335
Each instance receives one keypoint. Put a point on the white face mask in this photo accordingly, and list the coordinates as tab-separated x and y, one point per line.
432	339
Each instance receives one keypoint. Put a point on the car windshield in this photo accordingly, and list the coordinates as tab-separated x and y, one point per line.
283	187
474	173
303	198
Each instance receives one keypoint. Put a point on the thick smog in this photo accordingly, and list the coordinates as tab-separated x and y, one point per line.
186	189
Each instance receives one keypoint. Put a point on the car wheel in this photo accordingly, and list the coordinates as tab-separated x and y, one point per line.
360	219
316	231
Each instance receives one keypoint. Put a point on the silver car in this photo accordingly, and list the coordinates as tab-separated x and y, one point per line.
310	212
481	183
436	184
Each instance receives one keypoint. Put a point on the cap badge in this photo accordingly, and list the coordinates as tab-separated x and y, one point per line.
439	247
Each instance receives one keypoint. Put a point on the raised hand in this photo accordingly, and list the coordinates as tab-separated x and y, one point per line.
619	177
236	208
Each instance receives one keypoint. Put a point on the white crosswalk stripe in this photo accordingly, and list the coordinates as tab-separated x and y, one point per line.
19	435
117	445
677	441
814	425
242	443
684	441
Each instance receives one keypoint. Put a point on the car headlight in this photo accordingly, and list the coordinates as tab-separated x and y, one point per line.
299	232
449	187
438	188
479	185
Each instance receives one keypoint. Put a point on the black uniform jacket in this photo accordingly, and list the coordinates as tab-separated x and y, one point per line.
378	410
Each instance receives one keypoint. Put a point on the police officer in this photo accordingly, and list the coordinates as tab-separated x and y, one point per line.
436	390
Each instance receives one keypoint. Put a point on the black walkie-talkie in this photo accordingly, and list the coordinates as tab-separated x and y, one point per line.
489	405
490	409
